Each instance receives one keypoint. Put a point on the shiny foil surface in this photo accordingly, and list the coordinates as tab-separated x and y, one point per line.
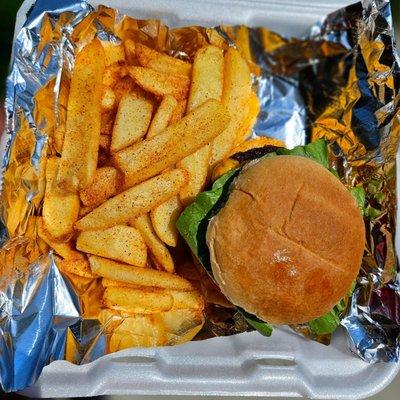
340	83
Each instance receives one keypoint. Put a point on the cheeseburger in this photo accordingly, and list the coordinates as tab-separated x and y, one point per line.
281	236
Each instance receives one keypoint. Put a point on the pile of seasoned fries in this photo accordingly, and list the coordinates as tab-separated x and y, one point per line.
143	132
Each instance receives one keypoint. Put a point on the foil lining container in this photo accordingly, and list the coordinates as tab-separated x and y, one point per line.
341	83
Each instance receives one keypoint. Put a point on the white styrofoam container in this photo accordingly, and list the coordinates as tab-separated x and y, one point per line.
248	364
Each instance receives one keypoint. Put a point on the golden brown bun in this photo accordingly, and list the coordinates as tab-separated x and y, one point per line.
288	244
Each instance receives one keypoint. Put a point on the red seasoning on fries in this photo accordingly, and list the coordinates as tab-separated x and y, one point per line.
143	131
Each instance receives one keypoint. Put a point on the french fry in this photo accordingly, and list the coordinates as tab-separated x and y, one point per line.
243	42
140	301
123	86
179	112
63	94
81	143
108	99
84	210
182	300
164	217
130	52
106	183
115	271
207	77
247	125
157	248
60	209
160	83
162	116
78	267
166	213
63	249
120	243
134	159
109	282
134	201
151	156
148	57
235	96
132	121
114	53
187	300
207	83
113	73
196	165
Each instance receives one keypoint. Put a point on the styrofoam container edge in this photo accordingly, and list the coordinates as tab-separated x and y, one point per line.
248	364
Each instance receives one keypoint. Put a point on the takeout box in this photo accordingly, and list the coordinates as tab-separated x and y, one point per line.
246	364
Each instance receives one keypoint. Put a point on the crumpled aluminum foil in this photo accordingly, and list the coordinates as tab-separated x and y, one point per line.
341	83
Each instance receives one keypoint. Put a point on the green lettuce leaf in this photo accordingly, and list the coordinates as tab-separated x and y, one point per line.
372	212
358	193
262	327
330	321
192	223
317	151
326	324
